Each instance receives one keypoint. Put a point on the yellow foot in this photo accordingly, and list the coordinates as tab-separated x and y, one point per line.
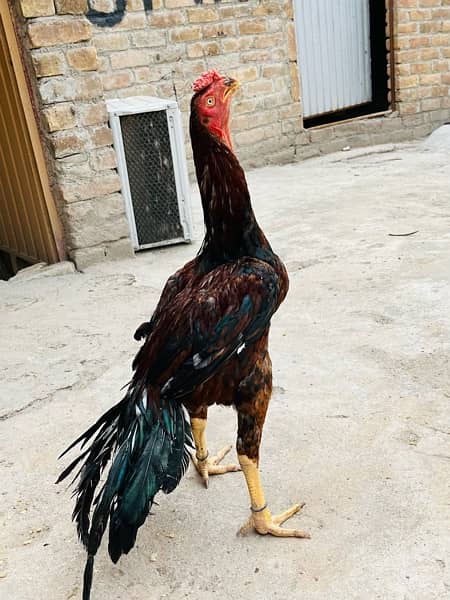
264	523
210	465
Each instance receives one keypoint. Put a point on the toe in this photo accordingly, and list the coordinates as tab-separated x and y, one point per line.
221	454
221	469
277	531
287	514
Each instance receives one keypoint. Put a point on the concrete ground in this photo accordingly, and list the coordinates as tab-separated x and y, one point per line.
358	426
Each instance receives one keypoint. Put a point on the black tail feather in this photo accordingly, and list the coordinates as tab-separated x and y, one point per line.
87	578
148	451
106	418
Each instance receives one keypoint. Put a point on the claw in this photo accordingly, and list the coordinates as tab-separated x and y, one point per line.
246	527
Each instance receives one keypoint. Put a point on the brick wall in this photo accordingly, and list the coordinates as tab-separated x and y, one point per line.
161	53
81	57
422	56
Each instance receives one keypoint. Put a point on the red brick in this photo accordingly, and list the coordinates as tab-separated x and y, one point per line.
407	27
65	143
148	38
48	64
431	27
420	42
420	15
439	90
185	34
430	104
406	56
111	41
82	59
441	39
103	159
202	15
219	30
59	31
252	26
60	89
131	58
71	7
164	20
234	12
430	79
408	81
37	8
177	3
423	67
101	136
441	66
405	69
102	185
269	8
408	108
429	53
117	80
60	116
203	49
441	13
93	114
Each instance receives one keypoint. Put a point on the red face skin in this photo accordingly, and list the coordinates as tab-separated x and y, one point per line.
213	108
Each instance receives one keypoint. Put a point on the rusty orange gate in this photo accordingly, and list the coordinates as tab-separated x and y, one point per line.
29	225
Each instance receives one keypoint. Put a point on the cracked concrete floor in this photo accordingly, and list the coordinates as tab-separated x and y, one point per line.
358	427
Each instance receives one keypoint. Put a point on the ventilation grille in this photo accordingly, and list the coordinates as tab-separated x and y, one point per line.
149	143
151	177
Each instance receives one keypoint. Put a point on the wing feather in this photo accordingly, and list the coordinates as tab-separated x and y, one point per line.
206	324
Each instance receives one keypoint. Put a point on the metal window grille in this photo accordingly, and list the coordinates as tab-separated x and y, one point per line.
149	143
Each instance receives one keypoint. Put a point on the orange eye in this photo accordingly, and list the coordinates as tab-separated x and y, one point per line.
210	101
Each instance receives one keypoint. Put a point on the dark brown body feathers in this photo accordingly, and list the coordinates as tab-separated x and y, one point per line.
235	261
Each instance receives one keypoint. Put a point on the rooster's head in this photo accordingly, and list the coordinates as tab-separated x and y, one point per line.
211	103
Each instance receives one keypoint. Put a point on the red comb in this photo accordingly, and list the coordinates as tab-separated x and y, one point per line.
206	79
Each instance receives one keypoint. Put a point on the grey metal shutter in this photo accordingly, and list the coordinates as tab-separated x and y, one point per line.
333	42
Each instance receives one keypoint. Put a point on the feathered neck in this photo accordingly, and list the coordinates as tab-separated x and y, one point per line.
231	227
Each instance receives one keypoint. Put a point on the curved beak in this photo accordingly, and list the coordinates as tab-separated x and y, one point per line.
231	85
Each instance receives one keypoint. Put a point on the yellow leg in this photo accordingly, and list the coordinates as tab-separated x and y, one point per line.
261	518
204	464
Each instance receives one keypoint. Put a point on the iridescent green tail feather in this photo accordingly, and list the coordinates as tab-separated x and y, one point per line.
148	451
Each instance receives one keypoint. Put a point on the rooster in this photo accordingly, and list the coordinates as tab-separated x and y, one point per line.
206	343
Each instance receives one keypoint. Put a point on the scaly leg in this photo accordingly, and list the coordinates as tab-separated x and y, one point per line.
204	464
261	518
255	393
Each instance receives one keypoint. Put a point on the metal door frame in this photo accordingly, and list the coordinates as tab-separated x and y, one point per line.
391	29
